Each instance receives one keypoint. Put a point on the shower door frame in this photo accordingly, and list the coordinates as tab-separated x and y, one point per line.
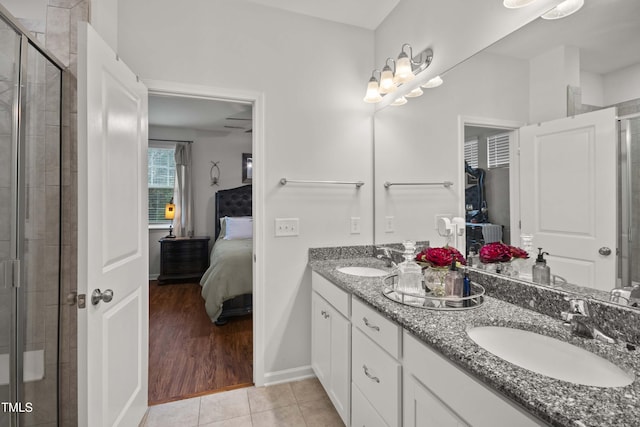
18	210
625	195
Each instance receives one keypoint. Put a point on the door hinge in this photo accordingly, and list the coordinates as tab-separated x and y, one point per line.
10	273
82	300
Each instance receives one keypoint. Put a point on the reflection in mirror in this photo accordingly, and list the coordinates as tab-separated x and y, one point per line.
546	71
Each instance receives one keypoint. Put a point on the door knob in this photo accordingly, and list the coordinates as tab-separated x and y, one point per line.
97	296
604	251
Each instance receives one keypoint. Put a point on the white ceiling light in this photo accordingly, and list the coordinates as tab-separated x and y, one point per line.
564	9
515	4
434	82
387	85
404	68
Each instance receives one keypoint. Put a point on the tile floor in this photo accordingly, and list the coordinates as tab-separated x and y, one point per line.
296	404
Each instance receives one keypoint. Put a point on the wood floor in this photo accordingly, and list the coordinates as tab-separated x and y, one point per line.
188	355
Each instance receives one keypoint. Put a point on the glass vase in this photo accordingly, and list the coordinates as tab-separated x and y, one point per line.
434	280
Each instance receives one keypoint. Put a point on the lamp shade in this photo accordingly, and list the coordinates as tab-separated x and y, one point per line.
434	82
373	91
400	101
564	9
386	80
404	72
514	4
169	210
415	93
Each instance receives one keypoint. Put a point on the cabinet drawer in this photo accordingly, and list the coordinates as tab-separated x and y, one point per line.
378	375
363	414
338	298
381	330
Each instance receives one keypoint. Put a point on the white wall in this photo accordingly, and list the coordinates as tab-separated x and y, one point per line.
226	149
313	75
622	85
419	142
592	86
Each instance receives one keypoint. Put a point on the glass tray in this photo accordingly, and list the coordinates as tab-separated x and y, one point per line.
433	302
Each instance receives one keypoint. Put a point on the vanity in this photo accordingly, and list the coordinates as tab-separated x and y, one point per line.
386	364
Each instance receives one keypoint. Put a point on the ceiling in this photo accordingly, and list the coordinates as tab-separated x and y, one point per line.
361	13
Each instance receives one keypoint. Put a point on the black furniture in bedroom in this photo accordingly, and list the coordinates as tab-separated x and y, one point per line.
183	259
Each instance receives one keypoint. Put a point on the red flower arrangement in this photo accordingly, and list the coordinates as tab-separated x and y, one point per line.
499	252
440	257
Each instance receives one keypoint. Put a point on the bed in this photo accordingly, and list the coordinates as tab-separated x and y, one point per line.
228	282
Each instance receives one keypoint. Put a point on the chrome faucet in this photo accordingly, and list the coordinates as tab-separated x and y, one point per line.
392	256
581	324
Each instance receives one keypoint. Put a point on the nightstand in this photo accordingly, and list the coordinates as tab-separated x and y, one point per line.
183	259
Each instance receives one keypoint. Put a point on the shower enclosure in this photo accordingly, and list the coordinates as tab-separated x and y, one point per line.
30	133
629	196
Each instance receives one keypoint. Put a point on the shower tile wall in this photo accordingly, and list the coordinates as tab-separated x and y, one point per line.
634	126
61	40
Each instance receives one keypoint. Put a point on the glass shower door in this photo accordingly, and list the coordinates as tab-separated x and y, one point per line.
629	201
9	74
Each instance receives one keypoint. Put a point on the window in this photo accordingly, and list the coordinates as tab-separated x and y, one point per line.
498	151
161	178
471	152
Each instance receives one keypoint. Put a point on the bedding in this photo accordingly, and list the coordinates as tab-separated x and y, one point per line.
230	274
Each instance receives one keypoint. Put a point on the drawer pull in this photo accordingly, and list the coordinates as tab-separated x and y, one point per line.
369	325
366	372
325	314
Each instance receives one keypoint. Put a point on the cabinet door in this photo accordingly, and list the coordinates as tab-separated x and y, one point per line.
423	409
340	363
321	340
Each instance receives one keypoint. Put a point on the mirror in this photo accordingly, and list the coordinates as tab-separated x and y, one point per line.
544	71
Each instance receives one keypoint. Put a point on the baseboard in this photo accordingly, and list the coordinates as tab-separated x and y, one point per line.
288	375
154	276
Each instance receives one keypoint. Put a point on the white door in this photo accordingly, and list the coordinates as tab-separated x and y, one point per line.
112	237
568	170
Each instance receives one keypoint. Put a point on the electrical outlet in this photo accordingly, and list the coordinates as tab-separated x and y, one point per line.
438	216
287	227
389	226
355	225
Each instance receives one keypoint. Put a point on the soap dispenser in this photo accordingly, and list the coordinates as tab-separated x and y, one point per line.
409	272
454	286
540	271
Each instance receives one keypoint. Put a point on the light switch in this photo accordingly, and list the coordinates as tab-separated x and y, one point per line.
355	225
389	226
287	227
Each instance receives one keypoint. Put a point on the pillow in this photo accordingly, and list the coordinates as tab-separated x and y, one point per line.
236	228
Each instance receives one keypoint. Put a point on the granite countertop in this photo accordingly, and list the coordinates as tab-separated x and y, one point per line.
557	402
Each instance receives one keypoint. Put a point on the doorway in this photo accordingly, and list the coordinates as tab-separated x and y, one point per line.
490	180
189	355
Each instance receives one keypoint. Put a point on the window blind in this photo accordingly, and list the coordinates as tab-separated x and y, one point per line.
498	151
471	152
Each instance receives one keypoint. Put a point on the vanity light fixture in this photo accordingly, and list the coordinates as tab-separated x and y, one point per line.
564	9
515	4
373	89
400	101
404	70
434	82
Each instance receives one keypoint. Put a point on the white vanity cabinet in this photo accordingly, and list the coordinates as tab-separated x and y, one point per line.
438	393
375	369
331	342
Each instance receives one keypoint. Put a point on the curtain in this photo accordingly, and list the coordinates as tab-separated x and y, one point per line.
183	193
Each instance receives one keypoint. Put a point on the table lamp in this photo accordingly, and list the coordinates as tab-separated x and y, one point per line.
169	213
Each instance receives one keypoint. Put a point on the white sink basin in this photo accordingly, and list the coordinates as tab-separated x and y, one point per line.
363	271
549	356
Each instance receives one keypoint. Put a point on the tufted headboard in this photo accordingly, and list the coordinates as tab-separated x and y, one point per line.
232	202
